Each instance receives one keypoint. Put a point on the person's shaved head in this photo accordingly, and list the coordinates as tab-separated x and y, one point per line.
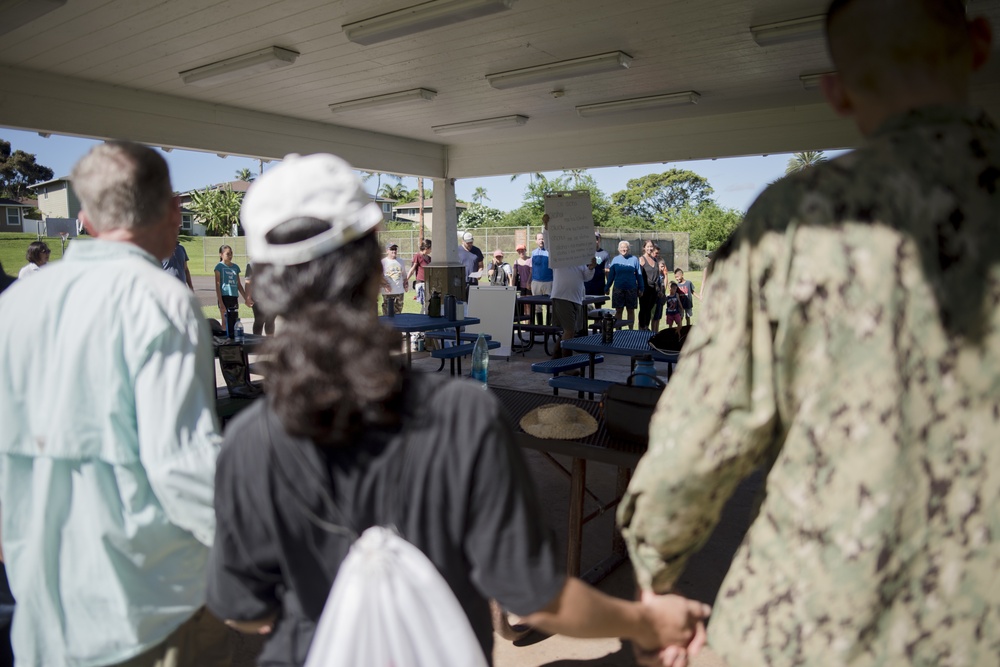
894	56
877	45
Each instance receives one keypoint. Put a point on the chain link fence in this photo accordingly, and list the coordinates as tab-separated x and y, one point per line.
674	246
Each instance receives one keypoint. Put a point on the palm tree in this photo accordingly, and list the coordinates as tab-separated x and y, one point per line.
804	160
479	195
245	174
367	176
575	174
397	192
532	176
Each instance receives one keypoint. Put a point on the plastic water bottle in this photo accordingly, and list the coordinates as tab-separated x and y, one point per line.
238	330
480	360
645	372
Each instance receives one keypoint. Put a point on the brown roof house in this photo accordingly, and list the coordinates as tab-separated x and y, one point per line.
410	212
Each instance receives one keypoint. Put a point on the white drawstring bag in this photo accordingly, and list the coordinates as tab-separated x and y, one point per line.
390	607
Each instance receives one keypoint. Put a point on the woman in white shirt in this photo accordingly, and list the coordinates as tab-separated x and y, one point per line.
37	256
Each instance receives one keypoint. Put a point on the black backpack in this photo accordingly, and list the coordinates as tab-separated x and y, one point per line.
500	277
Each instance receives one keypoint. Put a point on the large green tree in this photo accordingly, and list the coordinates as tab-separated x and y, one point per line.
217	208
538	187
480	215
655	197
18	170
708	224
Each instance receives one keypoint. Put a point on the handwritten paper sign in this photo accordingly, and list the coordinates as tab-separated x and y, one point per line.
571	228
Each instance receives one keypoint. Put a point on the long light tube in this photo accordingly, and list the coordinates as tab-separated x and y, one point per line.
500	122
416	94
239	67
564	69
812	81
638	103
782	32
425	16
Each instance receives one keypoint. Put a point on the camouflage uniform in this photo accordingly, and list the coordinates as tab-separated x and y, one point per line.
850	341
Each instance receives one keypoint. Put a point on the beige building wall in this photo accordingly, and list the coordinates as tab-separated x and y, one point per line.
53	200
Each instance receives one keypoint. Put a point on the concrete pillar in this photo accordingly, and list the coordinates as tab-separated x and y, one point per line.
445	231
444	274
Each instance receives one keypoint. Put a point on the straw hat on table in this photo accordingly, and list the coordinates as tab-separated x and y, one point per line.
558	421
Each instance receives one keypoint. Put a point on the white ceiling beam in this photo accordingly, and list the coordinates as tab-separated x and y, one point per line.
47	103
766	131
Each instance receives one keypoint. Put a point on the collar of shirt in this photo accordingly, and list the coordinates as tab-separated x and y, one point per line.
96	250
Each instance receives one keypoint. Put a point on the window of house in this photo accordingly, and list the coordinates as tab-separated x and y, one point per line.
185	222
386	207
13	217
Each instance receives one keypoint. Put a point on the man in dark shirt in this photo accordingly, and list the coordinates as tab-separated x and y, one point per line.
471	258
601	256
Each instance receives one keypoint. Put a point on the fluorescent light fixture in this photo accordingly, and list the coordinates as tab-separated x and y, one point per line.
425	16
811	81
480	125
639	103
385	100
782	32
564	69
17	13
232	69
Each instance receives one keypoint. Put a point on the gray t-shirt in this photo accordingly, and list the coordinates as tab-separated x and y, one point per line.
465	500
470	259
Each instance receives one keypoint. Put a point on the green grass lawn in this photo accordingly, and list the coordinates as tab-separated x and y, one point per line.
14	246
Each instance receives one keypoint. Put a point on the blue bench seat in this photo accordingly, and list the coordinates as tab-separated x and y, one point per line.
581	385
456	352
557	366
450	335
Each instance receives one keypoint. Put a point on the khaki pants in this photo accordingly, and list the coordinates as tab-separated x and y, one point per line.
201	641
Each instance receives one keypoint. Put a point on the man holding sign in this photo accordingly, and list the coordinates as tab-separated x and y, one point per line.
567	298
571	258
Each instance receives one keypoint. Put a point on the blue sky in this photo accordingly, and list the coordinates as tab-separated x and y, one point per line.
737	181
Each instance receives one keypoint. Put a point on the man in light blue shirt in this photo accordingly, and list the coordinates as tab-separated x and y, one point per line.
108	436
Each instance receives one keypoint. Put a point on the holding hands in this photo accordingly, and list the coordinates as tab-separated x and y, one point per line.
679	626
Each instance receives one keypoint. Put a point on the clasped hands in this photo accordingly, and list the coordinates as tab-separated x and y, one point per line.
679	624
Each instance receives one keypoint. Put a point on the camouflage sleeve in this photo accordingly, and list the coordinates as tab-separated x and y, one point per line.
722	397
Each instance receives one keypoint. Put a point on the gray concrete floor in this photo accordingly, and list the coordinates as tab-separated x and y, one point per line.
700	581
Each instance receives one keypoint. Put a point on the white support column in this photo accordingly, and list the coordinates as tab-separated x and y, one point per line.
445	230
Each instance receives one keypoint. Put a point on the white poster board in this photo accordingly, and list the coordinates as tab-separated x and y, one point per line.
571	228
494	306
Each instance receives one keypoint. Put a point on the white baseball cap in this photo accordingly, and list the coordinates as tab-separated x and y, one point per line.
467	237
319	186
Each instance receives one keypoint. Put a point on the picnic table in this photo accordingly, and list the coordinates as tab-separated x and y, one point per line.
406	323
547	330
599	447
629	343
